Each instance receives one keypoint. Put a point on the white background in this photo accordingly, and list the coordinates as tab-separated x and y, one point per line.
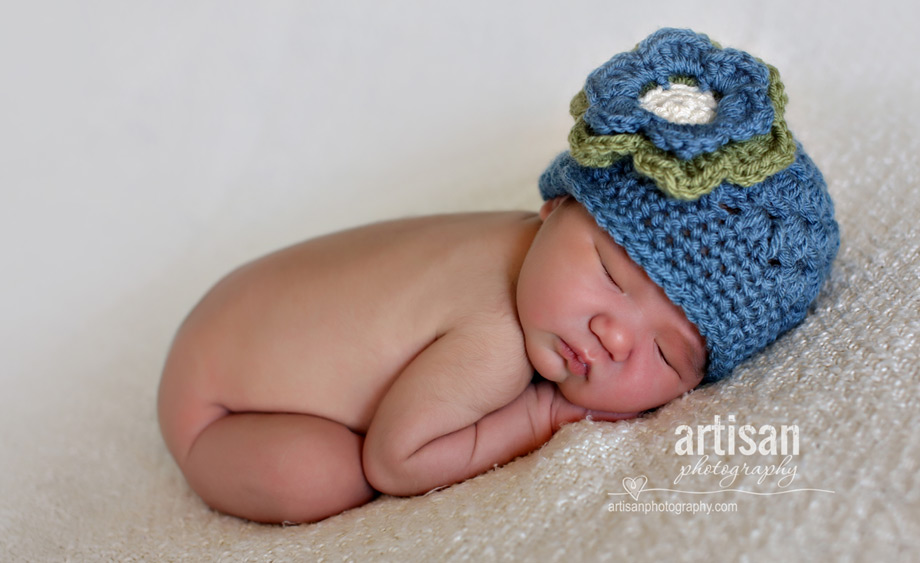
146	148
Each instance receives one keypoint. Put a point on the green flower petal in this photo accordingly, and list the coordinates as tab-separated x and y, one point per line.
741	163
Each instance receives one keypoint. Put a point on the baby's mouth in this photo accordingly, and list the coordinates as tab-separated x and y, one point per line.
574	362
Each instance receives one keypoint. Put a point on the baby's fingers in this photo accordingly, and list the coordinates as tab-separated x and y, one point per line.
563	411
610	416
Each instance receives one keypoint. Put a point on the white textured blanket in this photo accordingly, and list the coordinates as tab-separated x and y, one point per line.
147	149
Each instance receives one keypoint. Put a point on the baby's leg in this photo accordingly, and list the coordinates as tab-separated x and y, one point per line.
278	467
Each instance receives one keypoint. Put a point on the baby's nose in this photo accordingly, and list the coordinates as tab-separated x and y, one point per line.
617	335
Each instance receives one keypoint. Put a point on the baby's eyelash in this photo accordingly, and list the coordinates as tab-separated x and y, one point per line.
663	357
606	271
609	277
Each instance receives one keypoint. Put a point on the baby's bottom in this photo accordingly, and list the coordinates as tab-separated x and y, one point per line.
278	467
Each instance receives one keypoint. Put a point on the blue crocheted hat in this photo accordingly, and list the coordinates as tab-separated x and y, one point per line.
680	151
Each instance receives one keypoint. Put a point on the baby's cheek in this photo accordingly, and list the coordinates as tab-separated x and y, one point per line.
538	318
656	392
537	297
542	309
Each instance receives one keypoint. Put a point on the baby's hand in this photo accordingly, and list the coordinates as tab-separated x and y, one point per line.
563	411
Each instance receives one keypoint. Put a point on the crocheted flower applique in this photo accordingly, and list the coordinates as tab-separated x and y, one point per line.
690	114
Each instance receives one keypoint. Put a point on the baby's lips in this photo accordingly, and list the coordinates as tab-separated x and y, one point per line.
573	360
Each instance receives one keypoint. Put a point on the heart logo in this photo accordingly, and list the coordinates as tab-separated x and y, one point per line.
635	485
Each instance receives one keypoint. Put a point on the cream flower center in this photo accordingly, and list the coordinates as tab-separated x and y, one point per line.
680	103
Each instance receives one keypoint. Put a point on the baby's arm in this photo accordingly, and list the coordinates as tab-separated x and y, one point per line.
458	410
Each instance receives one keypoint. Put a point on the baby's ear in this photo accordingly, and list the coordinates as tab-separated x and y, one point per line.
550	205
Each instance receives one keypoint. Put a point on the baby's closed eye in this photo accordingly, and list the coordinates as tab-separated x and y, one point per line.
606	270
662	355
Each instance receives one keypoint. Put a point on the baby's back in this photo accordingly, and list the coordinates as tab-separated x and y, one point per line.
324	327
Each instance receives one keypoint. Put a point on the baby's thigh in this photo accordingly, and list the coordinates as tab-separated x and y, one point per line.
278	467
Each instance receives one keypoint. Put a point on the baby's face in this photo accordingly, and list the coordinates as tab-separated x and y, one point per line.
595	323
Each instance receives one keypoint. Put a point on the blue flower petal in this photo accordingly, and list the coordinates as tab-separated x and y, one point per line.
740	80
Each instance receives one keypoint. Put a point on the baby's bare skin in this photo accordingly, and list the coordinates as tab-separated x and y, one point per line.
325	326
384	358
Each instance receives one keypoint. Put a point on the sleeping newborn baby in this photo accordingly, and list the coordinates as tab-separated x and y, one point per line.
683	231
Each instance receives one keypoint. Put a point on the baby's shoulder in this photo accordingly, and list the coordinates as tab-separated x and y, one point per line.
486	267
489	347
